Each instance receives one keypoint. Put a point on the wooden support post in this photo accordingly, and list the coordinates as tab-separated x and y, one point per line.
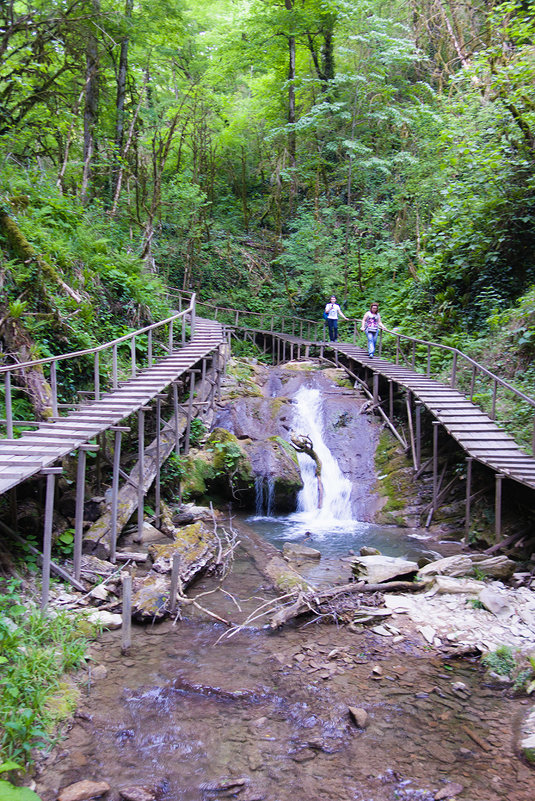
175	411
175	577
190	408
336	357
115	489
435	462
391	400
375	384
202	388
149	348
418	425
50	473
126	629
157	480
218	373
411	430
79	507
454	370
141	464
498	508
469	462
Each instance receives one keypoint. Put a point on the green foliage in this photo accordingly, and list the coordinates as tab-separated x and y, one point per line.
501	661
35	652
198	430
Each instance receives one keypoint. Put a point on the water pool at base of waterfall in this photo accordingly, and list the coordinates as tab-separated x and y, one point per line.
338	538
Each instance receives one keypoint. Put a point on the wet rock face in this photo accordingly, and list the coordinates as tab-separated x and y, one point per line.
262	423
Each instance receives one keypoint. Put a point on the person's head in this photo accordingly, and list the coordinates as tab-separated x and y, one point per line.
374	308
333	299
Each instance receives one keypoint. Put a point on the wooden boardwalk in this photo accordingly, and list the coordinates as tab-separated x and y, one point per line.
35	450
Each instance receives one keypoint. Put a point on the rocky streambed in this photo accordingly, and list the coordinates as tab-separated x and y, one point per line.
390	704
311	711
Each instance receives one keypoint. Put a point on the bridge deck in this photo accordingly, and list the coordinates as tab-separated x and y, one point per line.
24	457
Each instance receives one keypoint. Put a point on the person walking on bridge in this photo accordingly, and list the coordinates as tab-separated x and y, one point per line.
331	313
371	323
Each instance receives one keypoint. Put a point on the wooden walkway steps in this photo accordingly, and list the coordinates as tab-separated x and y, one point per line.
35	450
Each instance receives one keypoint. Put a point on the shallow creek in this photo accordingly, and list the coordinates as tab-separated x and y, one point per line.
198	715
186	714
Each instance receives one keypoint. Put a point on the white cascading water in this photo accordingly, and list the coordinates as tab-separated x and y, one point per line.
336	506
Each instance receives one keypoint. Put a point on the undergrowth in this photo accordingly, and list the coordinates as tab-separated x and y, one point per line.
38	652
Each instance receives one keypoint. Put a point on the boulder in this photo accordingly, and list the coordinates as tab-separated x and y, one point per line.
359	716
495	602
80	791
106	620
445	584
458	565
296	551
367	551
376	569
497	567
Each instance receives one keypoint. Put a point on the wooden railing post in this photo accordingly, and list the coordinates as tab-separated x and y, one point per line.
454	370
114	366
9	406
428	361
97	375
133	356
54	388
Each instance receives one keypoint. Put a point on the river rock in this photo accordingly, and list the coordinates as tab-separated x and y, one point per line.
498	567
359	716
375	569
367	551
150	533
138	794
458	565
449	791
495	602
445	584
81	791
106	620
294	550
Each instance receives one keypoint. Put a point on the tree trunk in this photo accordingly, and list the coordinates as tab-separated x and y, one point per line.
121	95
91	103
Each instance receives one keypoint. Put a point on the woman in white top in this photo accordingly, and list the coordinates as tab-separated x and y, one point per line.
332	310
371	323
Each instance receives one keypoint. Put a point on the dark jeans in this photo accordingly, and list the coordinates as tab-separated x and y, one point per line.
333	329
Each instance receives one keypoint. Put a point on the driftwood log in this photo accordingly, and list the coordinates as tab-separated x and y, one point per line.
304	444
311	602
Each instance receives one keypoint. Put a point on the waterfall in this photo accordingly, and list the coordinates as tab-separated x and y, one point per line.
336	506
264	495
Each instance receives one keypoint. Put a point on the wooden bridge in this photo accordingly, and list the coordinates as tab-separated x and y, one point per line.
188	349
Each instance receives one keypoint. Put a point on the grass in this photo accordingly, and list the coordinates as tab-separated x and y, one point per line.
37	653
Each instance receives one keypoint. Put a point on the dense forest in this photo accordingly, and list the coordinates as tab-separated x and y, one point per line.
267	153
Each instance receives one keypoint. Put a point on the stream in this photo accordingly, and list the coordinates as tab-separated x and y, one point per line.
193	714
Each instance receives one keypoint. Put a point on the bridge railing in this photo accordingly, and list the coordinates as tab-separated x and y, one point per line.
479	384
88	373
277	322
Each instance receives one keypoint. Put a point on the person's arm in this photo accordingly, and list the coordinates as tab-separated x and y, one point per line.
343	315
380	321
363	324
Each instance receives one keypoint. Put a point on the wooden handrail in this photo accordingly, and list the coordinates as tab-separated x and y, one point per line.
131	337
